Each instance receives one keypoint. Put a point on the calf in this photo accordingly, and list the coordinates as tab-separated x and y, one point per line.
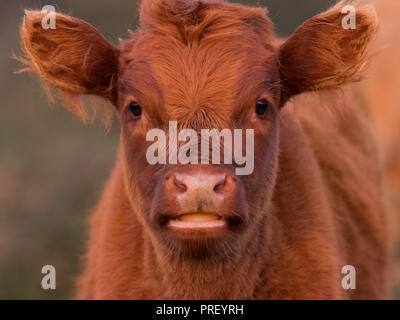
199	231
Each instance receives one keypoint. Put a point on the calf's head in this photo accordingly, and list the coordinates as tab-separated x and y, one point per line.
201	65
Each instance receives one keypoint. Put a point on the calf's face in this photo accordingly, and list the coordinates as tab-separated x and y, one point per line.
200	65
226	80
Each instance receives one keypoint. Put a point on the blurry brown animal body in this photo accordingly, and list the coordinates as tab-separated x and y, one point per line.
314	201
380	95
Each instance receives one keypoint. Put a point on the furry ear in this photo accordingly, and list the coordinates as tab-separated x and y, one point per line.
74	57
322	54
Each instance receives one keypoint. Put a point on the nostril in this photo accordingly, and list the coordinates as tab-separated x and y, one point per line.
226	184
179	184
220	185
173	183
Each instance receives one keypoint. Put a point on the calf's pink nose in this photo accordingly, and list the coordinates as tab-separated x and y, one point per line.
201	189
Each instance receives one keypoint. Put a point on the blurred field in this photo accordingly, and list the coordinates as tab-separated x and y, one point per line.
52	167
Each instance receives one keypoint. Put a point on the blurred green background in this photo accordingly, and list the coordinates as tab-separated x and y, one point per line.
52	167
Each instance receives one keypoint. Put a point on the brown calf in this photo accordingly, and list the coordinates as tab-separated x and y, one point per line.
311	206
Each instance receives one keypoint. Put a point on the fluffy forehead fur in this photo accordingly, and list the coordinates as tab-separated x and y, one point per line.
199	57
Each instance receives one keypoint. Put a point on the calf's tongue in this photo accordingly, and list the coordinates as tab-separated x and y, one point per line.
200	217
196	221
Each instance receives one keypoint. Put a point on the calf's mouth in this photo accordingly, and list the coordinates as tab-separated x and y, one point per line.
197	220
198	210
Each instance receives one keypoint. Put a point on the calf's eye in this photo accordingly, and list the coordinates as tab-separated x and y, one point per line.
262	107
135	109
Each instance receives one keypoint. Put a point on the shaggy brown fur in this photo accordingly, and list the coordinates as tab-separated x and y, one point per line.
380	94
380	97
313	203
